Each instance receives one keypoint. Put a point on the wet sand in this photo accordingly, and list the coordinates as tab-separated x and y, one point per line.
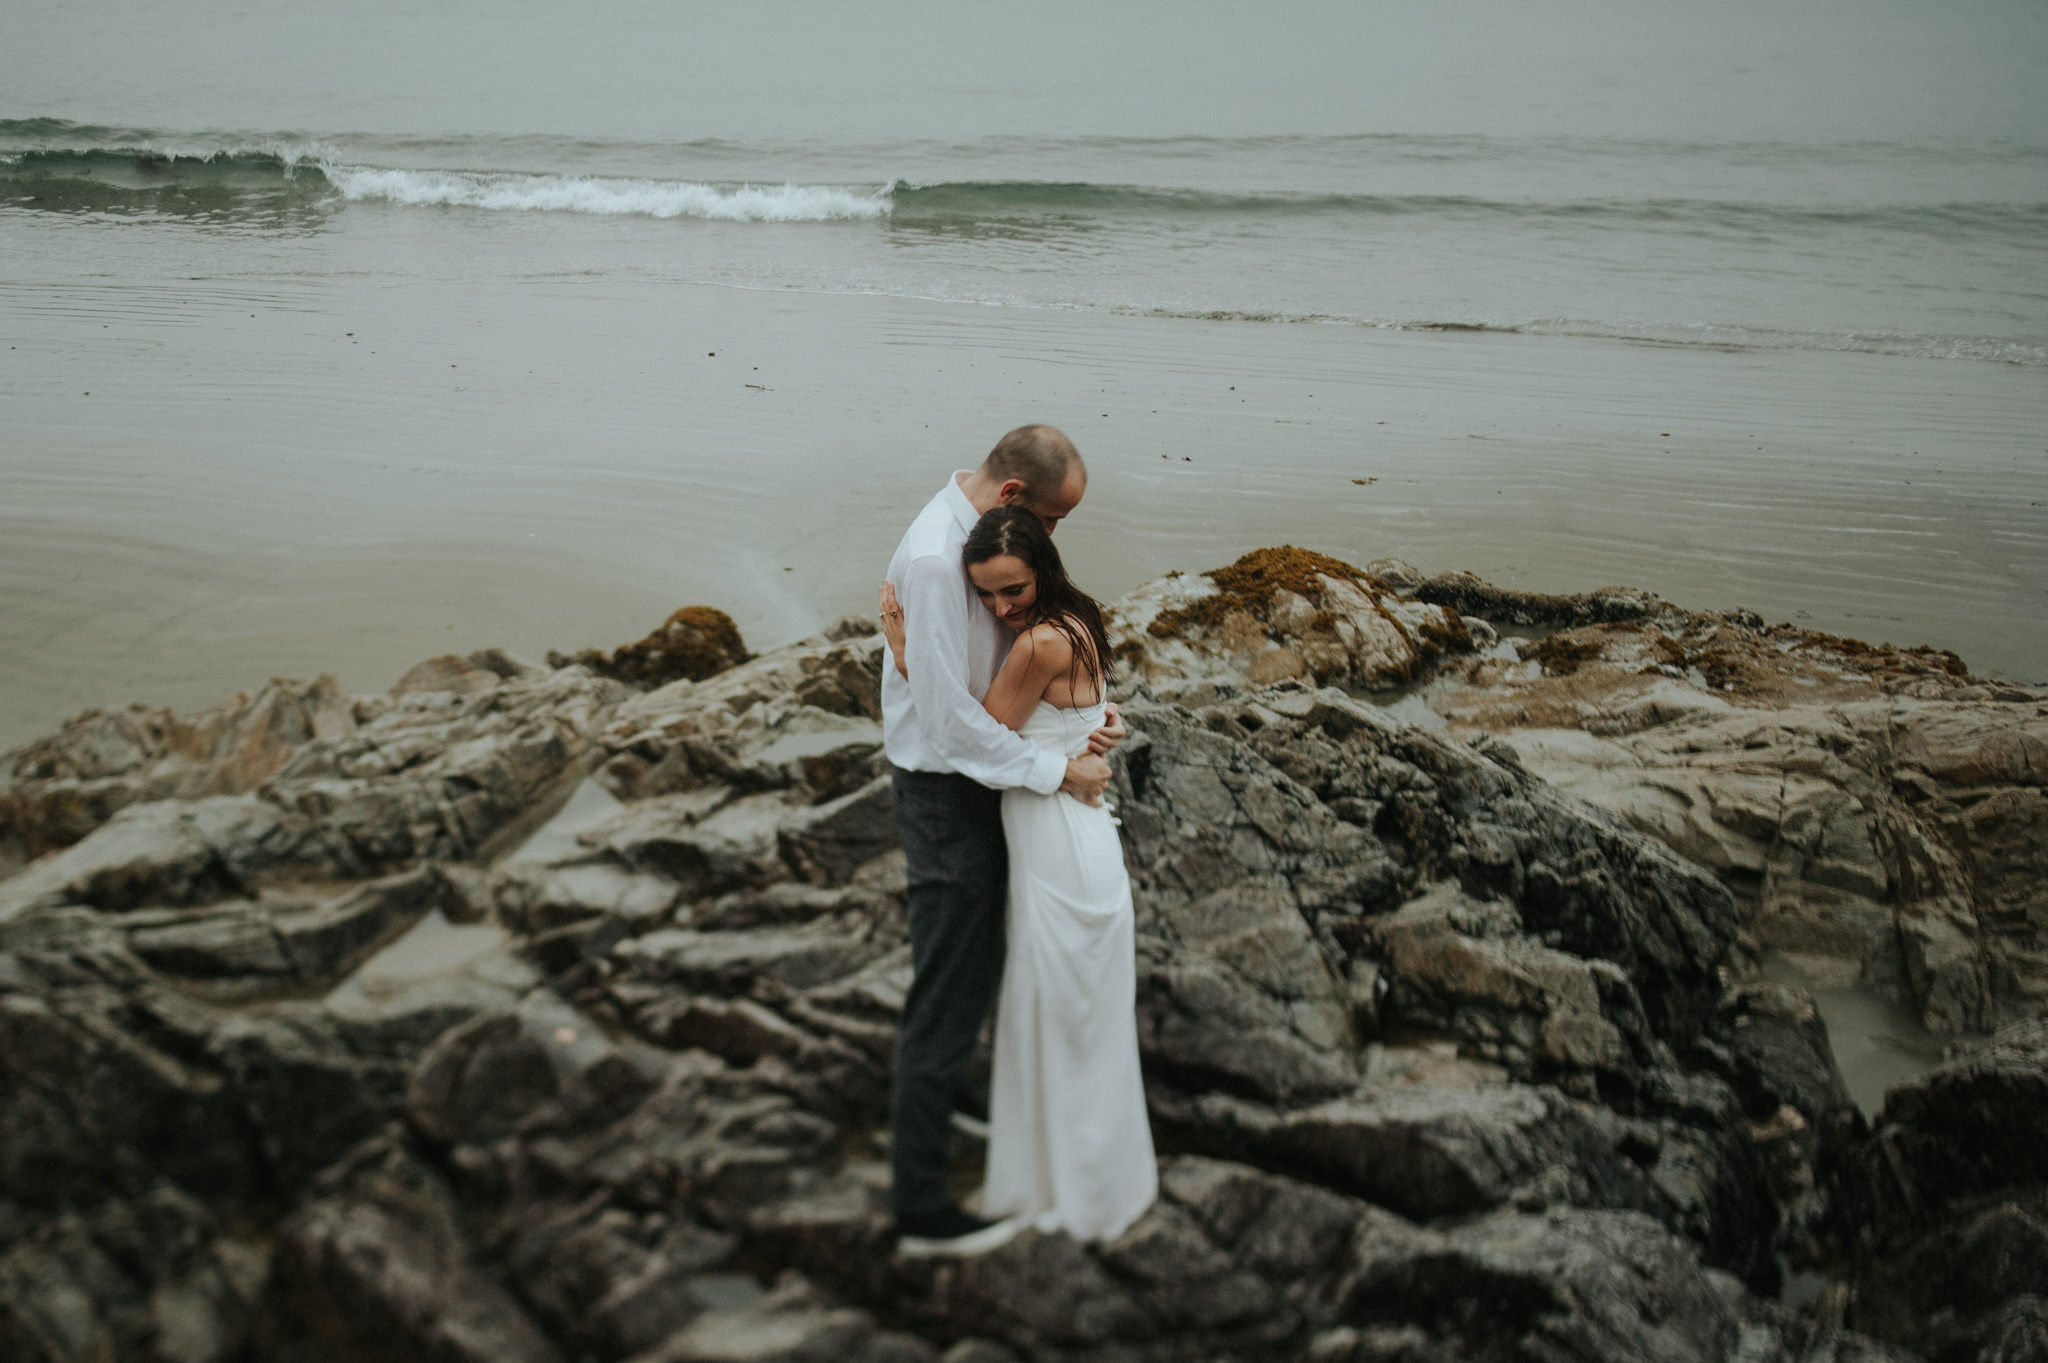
248	490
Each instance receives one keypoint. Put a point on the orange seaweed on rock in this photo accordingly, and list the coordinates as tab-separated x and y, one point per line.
694	643
1249	585
1276	614
1560	654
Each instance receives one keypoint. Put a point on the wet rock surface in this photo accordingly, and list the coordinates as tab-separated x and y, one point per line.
1953	1187
523	1014
1874	805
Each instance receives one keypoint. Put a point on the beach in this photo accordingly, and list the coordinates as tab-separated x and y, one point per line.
270	495
1596	873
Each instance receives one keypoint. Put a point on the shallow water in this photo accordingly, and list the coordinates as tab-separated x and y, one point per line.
1878	1043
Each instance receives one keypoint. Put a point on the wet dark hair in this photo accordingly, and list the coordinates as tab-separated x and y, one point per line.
1015	531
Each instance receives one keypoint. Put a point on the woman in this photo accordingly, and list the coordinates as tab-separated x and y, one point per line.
1069	1145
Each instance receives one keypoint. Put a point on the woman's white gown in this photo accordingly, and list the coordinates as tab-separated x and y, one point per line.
1069	1144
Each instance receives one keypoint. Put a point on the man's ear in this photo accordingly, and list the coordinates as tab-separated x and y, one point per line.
1011	492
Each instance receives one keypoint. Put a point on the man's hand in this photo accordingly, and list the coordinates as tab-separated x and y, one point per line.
1087	778
1112	732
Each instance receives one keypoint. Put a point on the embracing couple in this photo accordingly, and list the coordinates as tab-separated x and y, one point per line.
995	719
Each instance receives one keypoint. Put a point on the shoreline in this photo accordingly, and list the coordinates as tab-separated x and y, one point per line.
650	472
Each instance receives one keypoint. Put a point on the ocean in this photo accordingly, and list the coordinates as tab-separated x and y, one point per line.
337	337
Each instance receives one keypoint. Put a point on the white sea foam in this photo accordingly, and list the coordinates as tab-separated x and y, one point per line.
577	194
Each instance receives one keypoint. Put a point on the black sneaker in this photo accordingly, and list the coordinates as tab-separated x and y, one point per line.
950	1231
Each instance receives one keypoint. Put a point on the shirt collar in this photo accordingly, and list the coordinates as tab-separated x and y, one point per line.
963	510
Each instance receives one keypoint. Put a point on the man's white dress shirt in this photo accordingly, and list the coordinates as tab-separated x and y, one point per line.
953	646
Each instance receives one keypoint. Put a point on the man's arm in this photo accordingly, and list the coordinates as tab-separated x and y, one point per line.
935	619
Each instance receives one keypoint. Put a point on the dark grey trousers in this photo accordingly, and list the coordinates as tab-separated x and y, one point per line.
952	833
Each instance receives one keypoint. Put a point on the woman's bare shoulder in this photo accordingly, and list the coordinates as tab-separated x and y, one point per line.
1048	645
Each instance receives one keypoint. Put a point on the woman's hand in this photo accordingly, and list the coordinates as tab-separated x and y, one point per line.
892	625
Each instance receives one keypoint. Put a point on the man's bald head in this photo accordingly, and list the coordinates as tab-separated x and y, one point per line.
1033	467
1039	457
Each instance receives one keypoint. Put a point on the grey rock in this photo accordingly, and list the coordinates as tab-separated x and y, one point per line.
356	1280
535	899
826	843
1445	1036
732	847
1581	1285
153	1277
1955	1189
1430	1152
335	938
609	1280
479	1080
308	1097
790	1325
728	962
1039	1290
60	788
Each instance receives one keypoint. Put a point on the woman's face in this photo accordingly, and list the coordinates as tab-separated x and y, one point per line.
1008	587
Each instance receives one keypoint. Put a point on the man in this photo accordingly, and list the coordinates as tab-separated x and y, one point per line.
950	764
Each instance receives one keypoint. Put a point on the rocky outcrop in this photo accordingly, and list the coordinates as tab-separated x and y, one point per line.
1870	804
1955	1257
533	1016
419	775
1875	805
1279	615
694	643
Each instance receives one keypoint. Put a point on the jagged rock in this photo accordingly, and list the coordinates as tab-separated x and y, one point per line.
167	852
433	777
733	846
612	1281
827	843
358	1280
535	899
1584	1285
694	643
308	1097
728	962
105	1090
1874	804
1973	1287
1428	1151
154	1277
1466	969
802	715
1478	1038
479	1080
1976	1125
1274	615
62	787
1468	594
790	1325
1954	1182
255	947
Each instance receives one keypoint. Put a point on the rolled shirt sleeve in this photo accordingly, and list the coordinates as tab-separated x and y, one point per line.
960	733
